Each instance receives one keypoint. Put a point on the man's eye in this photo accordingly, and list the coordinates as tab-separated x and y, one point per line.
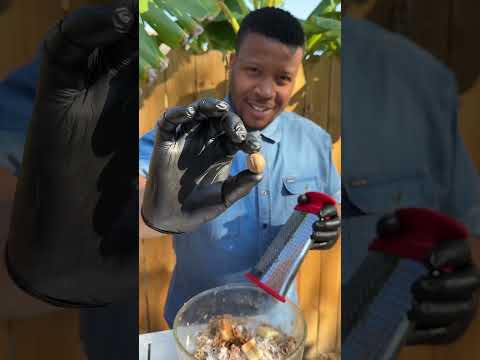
284	80
252	70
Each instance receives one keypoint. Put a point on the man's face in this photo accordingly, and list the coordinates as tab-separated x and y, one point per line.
263	74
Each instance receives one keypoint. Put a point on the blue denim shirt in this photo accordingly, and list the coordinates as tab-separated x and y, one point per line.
17	92
400	148
298	159
401	145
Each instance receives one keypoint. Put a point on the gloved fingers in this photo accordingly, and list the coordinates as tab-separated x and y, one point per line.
302	199
328	212
439	335
388	225
455	253
70	44
438	314
426	336
234	128
172	118
458	285
236	187
190	116
328	225
252	144
320	238
210	108
323	244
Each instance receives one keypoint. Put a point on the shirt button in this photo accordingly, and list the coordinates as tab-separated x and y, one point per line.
265	192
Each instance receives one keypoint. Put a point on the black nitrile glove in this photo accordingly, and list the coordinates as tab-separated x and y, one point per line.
326	230
444	300
74	231
188	182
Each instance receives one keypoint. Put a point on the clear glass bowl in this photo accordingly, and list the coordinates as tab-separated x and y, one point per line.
238	300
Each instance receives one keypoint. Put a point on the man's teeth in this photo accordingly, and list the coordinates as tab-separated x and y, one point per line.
259	108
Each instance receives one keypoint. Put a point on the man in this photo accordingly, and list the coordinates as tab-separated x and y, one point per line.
73	229
197	148
402	148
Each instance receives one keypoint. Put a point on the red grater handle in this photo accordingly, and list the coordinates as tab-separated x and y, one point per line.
420	231
316	202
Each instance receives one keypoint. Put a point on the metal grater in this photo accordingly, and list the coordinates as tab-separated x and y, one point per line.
277	268
377	297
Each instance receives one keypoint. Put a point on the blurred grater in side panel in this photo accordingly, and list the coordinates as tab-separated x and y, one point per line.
277	268
377	298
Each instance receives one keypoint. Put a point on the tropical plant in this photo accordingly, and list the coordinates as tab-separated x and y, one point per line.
202	25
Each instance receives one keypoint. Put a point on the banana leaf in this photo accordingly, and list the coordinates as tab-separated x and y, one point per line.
229	16
220	36
168	30
324	7
183	18
199	10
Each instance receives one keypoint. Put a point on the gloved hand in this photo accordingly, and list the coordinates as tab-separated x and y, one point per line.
326	230
73	237
188	182
444	300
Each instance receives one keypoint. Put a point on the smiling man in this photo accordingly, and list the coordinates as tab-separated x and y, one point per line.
198	188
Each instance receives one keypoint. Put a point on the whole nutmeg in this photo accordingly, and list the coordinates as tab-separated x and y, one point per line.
256	163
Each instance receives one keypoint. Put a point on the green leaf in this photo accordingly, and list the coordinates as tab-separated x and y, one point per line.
220	36
198	9
184	19
324	24
230	17
325	6
212	7
143	6
168	31
327	41
242	6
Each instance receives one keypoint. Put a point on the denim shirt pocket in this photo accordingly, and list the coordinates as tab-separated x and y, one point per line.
383	195
294	186
368	199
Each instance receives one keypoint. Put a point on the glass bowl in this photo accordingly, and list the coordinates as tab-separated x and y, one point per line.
239	300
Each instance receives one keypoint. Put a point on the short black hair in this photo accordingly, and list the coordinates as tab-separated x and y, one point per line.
274	23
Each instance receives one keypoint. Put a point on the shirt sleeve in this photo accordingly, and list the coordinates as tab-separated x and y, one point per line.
17	94
145	149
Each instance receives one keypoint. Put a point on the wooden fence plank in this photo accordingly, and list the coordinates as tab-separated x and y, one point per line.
158	270
143	314
180	75
334	100
317	75
5	341
308	286
210	75
153	106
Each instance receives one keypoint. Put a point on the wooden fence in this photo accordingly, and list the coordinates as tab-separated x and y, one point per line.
316	96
